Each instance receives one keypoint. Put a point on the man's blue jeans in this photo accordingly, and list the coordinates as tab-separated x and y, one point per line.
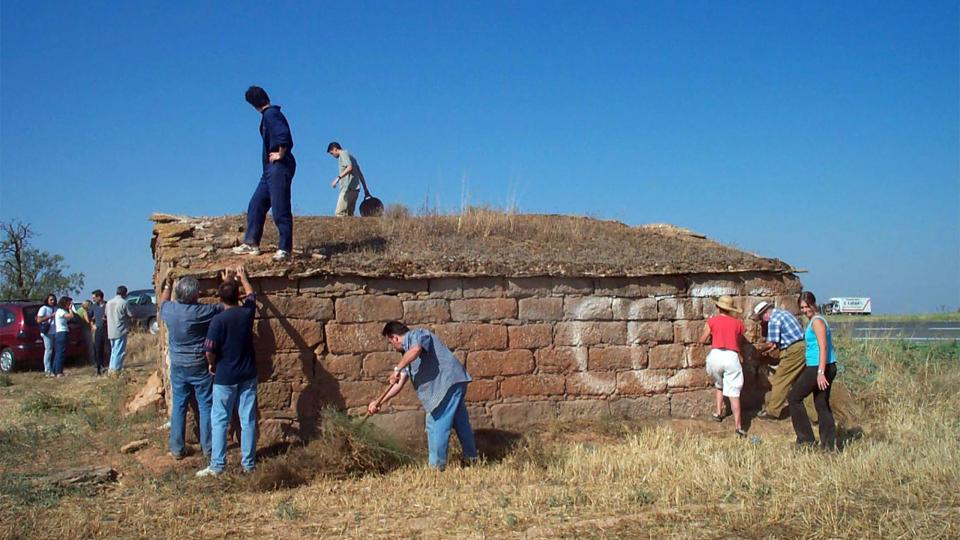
47	352
187	381
118	350
225	398
450	414
61	340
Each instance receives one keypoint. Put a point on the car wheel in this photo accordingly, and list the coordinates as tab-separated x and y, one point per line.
7	362
153	326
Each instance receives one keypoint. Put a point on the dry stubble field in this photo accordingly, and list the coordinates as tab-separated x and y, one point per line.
605	479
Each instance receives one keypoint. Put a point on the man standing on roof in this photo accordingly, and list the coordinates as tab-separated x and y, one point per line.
350	177
273	191
441	384
784	333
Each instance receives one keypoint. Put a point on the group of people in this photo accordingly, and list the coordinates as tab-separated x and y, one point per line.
211	351
104	326
279	167
807	364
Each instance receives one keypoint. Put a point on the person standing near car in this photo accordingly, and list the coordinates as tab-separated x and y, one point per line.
45	320
82	313
187	322
118	326
98	317
230	356
61	340
273	191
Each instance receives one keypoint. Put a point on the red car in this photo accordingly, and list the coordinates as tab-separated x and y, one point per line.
20	344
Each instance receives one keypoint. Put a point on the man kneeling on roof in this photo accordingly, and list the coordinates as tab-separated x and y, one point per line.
441	384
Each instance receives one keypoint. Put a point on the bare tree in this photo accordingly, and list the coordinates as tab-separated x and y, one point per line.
29	273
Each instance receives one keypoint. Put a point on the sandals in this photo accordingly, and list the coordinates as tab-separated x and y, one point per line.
717	417
741	433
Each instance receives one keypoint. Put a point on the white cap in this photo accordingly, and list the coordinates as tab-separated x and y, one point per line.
760	308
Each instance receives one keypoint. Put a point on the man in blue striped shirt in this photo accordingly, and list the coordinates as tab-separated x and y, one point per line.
785	334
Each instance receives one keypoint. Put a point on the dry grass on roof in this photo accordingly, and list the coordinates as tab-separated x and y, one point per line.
478	242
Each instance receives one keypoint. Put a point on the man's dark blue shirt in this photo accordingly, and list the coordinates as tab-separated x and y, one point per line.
276	133
230	337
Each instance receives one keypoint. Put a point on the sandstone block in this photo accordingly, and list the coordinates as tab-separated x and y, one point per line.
396	286
269	285
590	333
277	431
406	426
788	302
690	379
541	309
575	286
274	395
561	359
584	408
482	390
426	311
640	287
479	417
360	393
368	308
649	332
629	309
288	365
591	383
688	331
617	357
528	286
588	308
484	287
341	366
666	356
679	308
355	338
473	336
696	356
691	404
770	284
641	407
295	307
287	334
331	286
522	415
641	382
532	385
483	309
446	288
530	336
714	285
149	398
491	363
379	365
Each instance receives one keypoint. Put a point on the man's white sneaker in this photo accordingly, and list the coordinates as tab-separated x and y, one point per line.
202	473
246	249
281	255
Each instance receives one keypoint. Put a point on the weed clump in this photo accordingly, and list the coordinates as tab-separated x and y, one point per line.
344	448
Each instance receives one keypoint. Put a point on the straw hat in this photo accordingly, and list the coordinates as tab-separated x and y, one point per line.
726	304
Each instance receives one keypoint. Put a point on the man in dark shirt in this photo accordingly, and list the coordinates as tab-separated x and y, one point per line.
98	315
273	191
229	351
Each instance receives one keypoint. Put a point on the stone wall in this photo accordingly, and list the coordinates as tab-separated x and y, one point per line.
537	348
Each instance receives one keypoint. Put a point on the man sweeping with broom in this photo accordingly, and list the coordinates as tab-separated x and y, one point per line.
441	384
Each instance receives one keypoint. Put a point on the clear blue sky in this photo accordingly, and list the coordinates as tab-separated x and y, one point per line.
825	134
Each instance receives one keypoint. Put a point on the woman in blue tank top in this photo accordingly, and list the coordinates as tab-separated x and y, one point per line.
816	378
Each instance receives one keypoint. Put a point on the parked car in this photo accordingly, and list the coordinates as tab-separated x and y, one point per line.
143	305
21	346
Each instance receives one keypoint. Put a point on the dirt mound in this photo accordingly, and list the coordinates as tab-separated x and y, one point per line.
478	242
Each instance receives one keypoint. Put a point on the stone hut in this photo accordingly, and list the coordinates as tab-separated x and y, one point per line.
554	316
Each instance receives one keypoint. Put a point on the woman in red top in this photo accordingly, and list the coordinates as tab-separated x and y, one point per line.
723	362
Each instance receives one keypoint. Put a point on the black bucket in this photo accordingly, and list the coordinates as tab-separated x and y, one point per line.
371	207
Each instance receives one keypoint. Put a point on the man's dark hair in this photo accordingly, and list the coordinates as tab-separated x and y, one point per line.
98	292
257	96
122	290
229	292
394	328
333	145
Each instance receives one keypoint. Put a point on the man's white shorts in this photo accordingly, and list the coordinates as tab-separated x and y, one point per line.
724	368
